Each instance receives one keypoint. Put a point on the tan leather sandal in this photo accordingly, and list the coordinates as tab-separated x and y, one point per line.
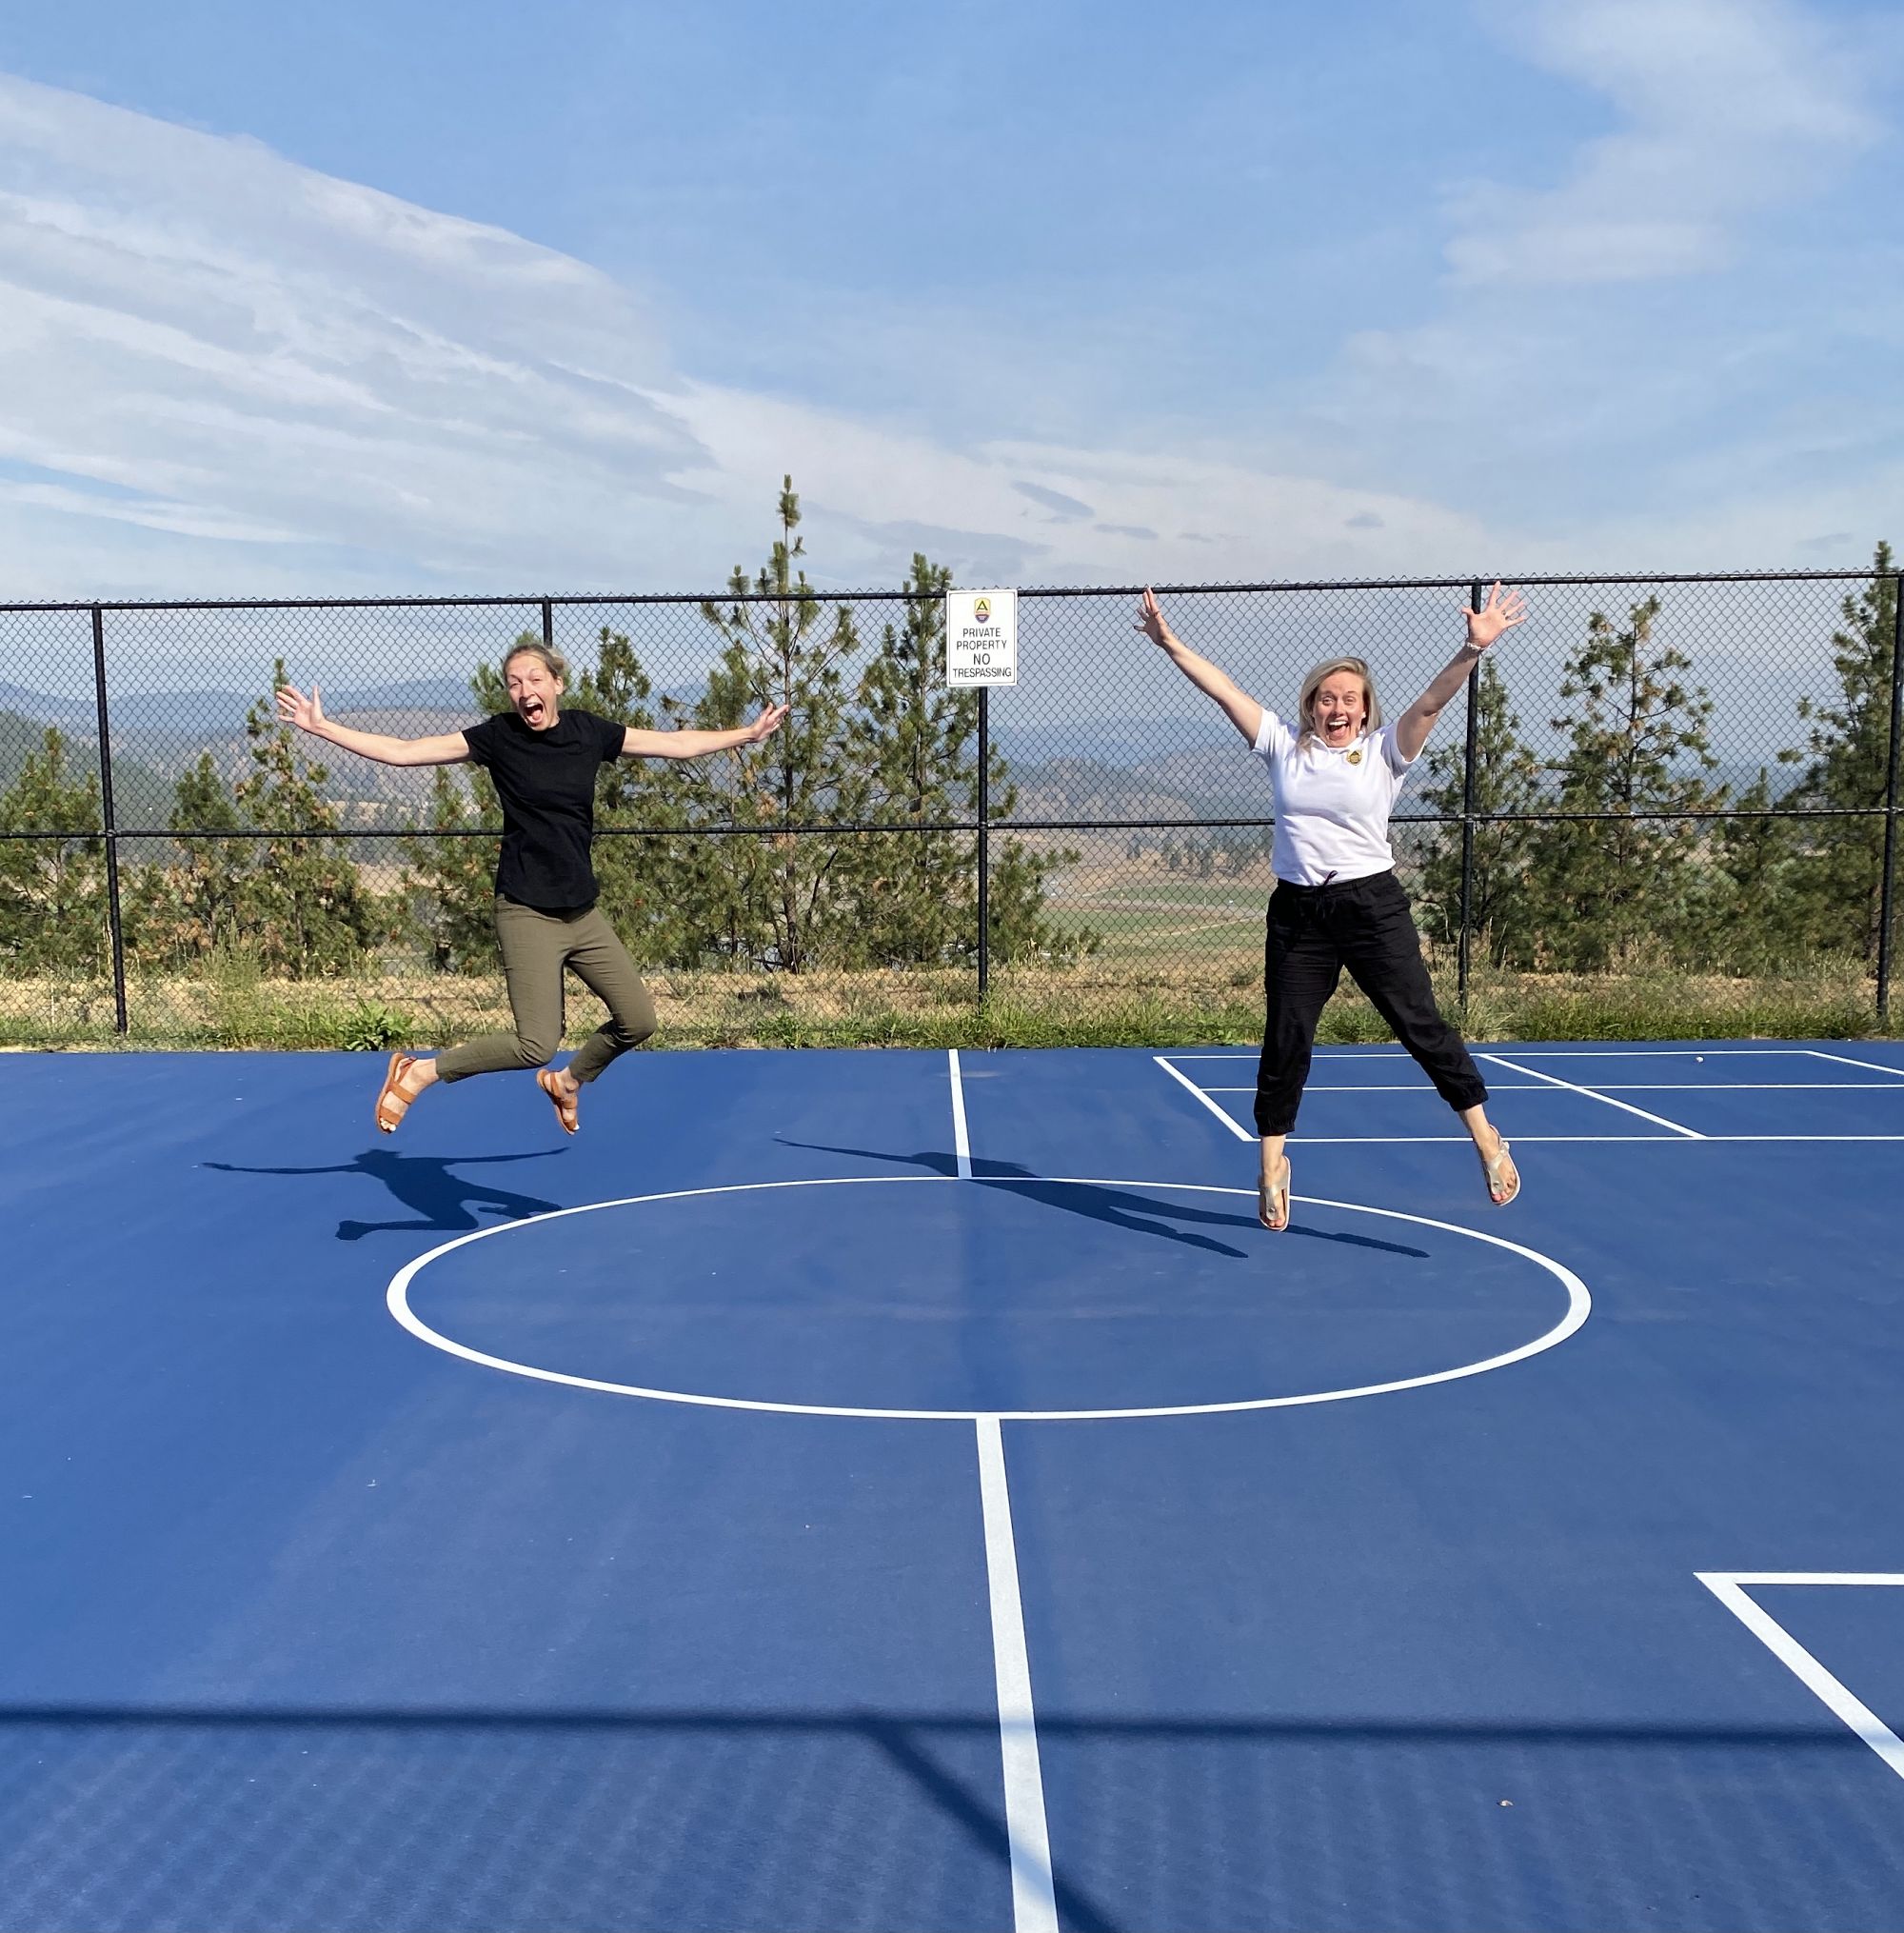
1501	1175
1272	1202
392	1103
568	1105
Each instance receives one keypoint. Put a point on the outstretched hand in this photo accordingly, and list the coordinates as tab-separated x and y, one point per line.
1151	621
1496	615
295	709
765	725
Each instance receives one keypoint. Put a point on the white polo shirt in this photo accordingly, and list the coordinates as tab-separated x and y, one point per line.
1332	807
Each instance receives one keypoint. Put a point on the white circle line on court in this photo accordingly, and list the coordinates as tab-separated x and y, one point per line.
1579	1306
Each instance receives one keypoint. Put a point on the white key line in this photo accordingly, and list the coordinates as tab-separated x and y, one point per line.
1565	1139
1876	1067
1189	1085
961	1142
1752	1086
1727	1585
1322	1054
1609	1087
1713	1051
1033	1902
1659	1119
1382	1087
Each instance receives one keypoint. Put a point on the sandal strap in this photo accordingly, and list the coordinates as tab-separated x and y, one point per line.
392	1103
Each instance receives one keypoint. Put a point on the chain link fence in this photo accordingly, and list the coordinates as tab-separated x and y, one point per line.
1680	776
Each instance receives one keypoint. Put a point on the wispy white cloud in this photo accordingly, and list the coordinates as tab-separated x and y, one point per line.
288	376
1725	107
1676	356
230	374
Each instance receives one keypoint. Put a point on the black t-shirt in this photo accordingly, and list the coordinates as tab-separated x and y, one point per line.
547	782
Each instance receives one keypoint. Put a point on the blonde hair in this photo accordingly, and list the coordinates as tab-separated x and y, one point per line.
553	659
1305	706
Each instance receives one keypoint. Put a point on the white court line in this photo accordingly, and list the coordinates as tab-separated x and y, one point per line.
1876	1067
1033	1904
1751	1087
961	1142
1322	1054
1204	1094
1185	1081
1728	1586
1567	1140
1386	1088
1593	1094
1613	1087
1034	1898
1708	1052
1711	1051
1579	1304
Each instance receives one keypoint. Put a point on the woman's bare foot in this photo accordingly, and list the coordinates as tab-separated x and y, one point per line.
1272	1199
1503	1178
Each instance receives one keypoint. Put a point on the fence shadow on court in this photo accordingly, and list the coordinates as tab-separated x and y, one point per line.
406	1782
444	1201
1138	1214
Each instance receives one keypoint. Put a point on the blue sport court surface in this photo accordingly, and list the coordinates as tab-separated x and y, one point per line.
907	1490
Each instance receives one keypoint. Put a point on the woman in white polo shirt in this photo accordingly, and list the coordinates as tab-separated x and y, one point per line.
1338	901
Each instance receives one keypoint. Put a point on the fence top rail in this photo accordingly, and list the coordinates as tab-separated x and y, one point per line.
817	594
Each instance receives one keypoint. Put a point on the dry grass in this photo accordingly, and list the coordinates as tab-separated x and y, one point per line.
1097	1002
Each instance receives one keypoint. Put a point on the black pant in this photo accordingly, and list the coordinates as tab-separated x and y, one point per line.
1365	926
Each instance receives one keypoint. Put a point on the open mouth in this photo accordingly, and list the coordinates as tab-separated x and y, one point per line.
532	710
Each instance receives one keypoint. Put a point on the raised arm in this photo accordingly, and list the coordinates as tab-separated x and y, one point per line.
1484	626
698	744
447	748
1243	710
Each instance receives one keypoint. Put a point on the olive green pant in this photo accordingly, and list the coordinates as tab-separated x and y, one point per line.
535	947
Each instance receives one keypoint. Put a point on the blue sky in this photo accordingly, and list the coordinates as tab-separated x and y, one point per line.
428	296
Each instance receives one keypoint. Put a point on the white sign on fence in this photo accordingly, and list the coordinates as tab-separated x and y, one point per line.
981	637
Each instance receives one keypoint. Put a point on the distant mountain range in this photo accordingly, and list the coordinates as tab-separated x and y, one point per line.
445	702
1074	768
202	713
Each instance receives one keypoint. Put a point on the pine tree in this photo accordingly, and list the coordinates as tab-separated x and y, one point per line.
778	899
448	887
894	747
1507	780
641	877
52	891
181	911
306	909
1835	877
915	896
1604	888
1749	917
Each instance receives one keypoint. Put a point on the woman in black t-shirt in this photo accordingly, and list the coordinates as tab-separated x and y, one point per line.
543	761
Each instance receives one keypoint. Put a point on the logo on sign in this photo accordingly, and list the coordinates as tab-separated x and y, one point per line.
982	611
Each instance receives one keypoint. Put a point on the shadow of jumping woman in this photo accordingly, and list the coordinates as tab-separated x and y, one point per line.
422	1183
1141	1214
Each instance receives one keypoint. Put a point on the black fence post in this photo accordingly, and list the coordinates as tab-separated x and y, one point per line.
549	623
115	925
984	841
1887	879
1468	816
